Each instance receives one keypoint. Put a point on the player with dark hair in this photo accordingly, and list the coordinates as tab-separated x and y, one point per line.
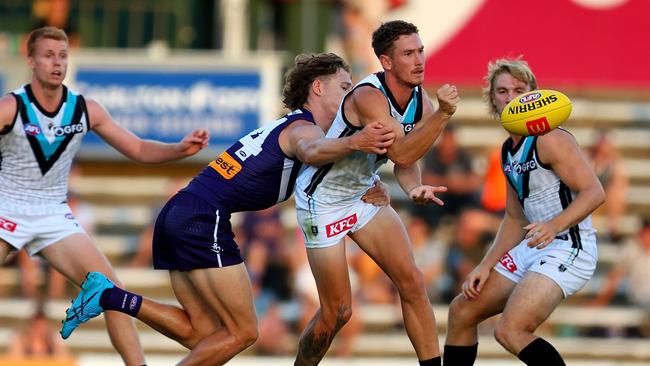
545	249
327	197
41	128
193	238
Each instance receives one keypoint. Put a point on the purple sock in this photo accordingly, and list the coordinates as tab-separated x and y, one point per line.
120	300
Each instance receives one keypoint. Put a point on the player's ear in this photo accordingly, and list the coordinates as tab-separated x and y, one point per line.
386	62
317	86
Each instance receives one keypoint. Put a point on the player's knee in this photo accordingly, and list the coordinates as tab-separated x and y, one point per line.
247	336
335	320
460	314
505	333
411	285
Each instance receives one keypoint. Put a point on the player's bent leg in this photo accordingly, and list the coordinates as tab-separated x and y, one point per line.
74	257
530	304
464	315
385	240
330	269
228	294
187	325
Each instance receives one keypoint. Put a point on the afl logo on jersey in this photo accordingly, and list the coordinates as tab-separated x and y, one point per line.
32	130
68	130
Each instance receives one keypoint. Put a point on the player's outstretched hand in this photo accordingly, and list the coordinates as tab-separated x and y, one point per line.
375	138
448	99
540	234
194	141
426	194
377	195
475	280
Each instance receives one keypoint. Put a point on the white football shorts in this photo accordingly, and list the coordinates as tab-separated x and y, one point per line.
37	231
324	226
569	267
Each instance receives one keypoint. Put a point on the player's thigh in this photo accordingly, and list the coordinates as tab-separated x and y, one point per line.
386	241
227	293
75	256
202	317
491	301
532	301
329	267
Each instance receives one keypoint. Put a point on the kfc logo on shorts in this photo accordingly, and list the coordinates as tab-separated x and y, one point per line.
508	262
7	225
341	225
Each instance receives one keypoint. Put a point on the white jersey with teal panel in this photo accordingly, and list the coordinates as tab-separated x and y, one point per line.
346	180
36	152
540	191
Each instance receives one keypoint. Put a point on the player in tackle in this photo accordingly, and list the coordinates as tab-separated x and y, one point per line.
193	237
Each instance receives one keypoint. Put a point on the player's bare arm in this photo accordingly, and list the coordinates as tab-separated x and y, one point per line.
308	143
511	232
137	149
369	104
8	111
410	181
559	149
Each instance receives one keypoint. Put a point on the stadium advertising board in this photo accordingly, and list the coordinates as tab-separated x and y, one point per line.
165	102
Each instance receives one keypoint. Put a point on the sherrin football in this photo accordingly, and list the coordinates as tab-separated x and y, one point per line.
536	112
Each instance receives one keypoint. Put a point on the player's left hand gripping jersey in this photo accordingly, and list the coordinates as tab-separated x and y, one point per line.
541	193
254	173
37	150
347	179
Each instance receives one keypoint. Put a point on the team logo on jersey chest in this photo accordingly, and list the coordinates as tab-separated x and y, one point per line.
69	129
226	165
520	168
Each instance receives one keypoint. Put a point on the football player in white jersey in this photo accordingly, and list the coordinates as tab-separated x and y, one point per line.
545	249
41	126
327	197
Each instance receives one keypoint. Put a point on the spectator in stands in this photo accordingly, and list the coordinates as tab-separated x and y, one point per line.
610	170
448	164
142	256
429	254
270	265
471	235
634	265
493	194
38	340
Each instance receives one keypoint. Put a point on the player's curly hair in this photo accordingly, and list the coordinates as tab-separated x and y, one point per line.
384	36
44	33
307	68
516	67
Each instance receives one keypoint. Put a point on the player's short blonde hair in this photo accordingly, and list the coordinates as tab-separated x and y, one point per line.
44	33
518	68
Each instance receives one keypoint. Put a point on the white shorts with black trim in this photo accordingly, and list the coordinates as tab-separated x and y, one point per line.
560	261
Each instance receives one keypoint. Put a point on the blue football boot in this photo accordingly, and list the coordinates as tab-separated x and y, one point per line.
86	305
